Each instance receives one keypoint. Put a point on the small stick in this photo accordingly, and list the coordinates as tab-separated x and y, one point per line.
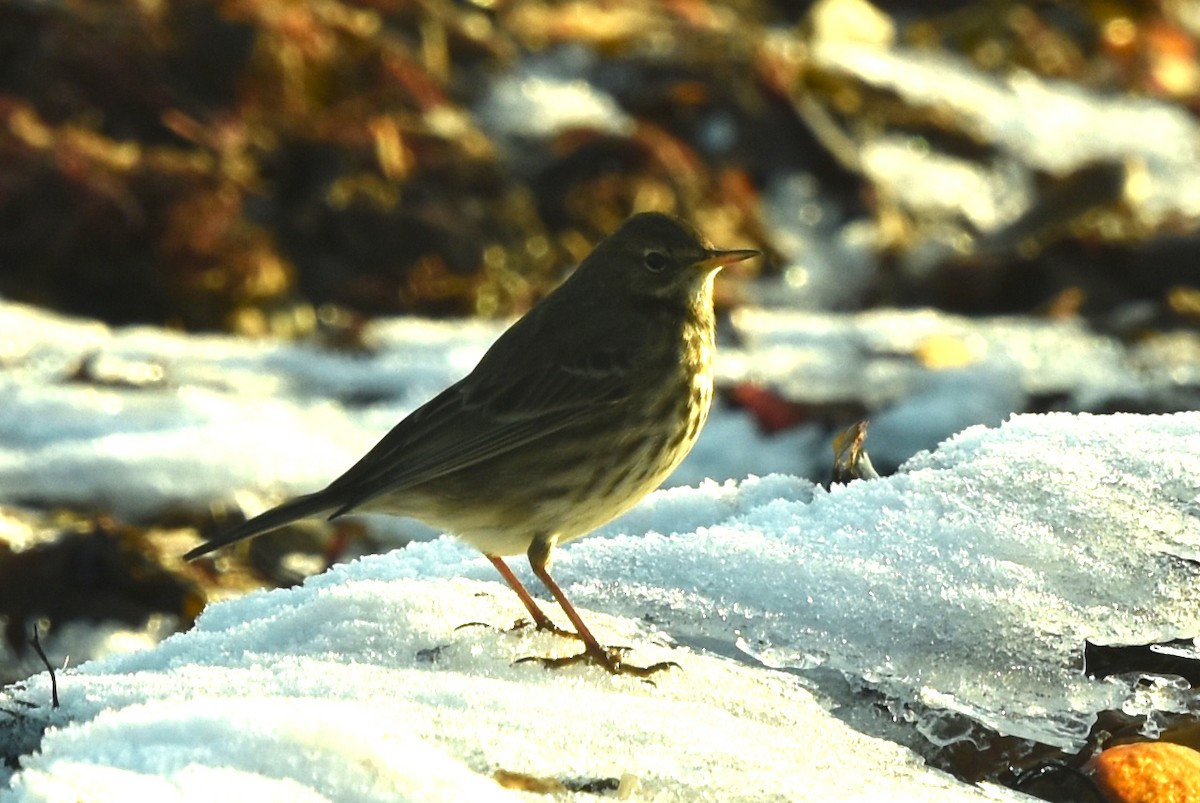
37	646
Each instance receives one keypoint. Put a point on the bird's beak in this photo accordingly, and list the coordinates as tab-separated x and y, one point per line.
719	259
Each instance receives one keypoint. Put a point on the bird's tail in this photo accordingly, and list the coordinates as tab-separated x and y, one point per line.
299	508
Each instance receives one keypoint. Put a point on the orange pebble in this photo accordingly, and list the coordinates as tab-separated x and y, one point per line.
1148	772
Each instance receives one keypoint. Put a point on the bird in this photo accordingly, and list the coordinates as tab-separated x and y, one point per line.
575	413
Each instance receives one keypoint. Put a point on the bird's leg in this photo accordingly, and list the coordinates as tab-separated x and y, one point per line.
540	620
594	653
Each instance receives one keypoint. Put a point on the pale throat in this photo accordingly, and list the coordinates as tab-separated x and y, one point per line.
700	340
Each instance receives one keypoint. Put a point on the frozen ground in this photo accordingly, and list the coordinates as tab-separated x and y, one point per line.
358	688
965	584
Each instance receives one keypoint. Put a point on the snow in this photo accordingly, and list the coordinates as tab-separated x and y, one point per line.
281	419
1092	146
1056	125
542	105
962	586
359	688
549	94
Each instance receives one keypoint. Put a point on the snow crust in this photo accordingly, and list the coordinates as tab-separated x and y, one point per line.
965	585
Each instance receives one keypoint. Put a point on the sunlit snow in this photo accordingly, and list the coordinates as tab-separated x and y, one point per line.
966	583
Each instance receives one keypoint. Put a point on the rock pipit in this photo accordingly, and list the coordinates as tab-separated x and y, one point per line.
574	414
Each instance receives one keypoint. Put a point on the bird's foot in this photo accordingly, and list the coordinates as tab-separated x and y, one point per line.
609	658
545	626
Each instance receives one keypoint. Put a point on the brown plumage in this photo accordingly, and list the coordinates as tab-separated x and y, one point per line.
576	412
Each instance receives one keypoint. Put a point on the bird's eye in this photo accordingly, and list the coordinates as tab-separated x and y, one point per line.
655	261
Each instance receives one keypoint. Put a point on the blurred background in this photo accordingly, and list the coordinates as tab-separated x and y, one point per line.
966	209
277	167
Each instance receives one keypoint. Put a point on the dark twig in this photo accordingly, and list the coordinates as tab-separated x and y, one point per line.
37	646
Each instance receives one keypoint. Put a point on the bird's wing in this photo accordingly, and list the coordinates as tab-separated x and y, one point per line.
467	423
478	419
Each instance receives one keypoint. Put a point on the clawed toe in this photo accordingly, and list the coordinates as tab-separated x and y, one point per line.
546	627
558	631
521	624
609	658
465	625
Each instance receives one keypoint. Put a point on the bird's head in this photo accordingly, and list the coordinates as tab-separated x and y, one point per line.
657	256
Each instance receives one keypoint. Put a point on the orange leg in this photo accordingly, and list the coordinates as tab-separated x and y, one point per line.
540	620
607	657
